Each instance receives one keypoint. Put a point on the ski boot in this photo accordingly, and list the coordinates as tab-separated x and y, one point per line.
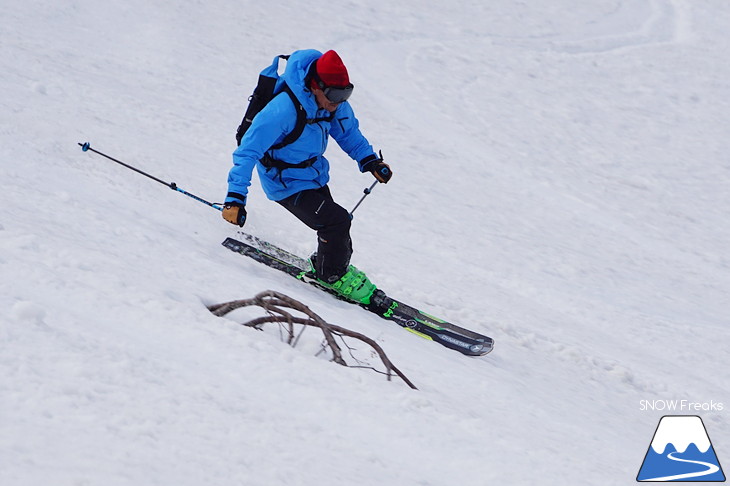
354	285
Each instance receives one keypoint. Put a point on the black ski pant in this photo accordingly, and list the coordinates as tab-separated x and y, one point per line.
317	209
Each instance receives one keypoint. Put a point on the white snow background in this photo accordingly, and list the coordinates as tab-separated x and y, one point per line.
562	177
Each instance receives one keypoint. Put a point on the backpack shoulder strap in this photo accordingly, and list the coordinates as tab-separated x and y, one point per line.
301	122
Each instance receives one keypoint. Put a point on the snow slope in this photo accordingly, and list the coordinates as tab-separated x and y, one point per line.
561	184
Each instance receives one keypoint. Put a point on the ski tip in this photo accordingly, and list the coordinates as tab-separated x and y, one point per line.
85	146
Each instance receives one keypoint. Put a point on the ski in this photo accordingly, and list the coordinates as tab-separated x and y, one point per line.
417	322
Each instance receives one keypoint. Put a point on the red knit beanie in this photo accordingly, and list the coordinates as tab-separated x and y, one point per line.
331	70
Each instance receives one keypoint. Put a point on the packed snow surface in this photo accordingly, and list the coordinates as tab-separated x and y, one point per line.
561	184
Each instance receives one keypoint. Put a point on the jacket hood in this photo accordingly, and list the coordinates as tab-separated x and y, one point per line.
297	67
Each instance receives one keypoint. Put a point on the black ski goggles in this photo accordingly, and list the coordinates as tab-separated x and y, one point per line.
338	95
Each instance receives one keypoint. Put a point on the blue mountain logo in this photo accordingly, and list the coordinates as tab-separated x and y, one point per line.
681	451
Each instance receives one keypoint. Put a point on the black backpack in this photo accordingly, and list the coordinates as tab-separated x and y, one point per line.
264	92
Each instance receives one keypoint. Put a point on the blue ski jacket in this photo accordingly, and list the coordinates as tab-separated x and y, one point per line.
276	120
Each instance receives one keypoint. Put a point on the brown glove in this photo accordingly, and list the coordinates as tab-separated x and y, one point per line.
382	171
234	213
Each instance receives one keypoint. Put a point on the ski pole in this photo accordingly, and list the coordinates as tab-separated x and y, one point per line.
367	191
87	147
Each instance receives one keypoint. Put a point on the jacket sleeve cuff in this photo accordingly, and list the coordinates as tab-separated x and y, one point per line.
236	197
368	163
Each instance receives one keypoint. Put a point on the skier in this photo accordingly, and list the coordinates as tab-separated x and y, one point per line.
297	174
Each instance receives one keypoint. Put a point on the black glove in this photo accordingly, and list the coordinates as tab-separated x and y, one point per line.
235	213
379	169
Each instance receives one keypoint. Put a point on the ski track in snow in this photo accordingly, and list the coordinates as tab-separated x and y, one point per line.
662	22
620	25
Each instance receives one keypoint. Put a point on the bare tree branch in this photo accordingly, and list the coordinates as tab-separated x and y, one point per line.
274	304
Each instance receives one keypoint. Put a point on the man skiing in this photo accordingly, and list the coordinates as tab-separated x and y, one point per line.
296	175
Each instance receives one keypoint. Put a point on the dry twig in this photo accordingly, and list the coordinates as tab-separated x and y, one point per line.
274	303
